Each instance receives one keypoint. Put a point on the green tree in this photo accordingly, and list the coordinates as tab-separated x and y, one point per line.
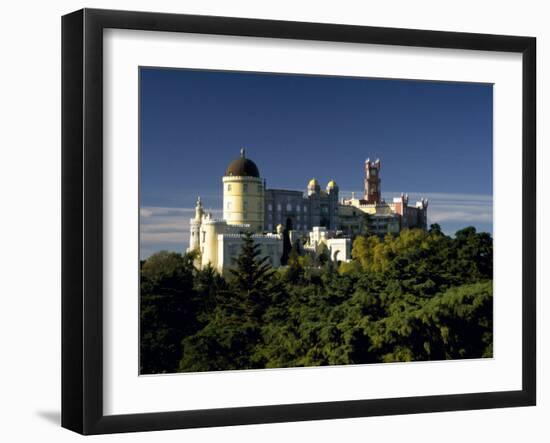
168	309
294	272
413	296
233	334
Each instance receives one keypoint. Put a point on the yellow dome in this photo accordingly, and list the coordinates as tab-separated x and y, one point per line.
331	184
313	182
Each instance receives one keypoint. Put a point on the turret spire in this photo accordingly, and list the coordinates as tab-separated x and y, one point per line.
198	209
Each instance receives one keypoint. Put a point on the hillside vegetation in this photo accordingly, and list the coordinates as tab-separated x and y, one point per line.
412	297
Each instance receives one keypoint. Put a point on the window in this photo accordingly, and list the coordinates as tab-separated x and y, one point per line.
288	206
298	208
259	188
229	205
305	208
270	207
270	216
229	187
279	207
245	187
270	227
259	206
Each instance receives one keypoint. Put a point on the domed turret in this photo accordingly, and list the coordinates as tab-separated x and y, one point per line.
243	194
331	185
313	186
242	167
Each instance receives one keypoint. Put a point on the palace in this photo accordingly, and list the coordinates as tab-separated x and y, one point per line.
316	223
382	217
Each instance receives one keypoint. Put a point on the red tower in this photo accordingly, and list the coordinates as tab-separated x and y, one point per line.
373	191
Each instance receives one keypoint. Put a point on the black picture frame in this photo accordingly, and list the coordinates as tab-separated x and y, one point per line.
82	215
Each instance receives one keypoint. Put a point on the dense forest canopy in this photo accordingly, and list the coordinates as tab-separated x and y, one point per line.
415	296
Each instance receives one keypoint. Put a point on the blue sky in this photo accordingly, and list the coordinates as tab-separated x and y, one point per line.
434	140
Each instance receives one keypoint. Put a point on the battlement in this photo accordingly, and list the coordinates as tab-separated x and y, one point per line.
254	236
373	164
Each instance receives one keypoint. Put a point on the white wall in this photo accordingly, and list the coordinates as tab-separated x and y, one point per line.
30	218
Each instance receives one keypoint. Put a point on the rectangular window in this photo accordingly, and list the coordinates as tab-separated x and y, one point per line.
229	205
229	187
245	187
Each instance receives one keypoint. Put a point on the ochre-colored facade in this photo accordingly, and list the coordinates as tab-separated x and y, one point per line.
243	201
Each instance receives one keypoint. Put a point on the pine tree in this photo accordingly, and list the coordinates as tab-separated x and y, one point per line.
233	336
252	278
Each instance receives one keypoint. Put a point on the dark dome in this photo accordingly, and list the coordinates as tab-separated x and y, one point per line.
242	167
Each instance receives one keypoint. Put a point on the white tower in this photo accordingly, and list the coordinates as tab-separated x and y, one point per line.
195	227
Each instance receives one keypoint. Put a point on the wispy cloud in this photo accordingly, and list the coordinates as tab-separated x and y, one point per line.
465	209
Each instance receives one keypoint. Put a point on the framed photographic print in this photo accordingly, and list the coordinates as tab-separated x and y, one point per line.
269	221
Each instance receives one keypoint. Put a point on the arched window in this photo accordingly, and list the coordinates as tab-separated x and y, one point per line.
288	207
